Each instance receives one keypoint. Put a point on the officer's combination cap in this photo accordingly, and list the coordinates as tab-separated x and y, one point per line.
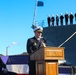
38	29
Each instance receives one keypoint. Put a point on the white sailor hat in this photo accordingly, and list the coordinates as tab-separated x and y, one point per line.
52	15
66	12
38	29
48	15
71	13
61	14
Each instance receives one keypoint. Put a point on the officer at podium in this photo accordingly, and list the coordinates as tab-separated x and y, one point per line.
34	44
37	41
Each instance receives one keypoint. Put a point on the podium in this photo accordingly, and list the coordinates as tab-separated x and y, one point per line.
46	60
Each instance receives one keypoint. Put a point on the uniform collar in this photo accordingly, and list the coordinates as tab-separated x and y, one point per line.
37	38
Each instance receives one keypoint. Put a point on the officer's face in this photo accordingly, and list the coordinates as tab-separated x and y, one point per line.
38	34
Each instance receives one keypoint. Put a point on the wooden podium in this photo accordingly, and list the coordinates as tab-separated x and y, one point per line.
46	60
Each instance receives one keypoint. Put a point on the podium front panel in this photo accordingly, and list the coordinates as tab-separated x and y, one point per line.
53	53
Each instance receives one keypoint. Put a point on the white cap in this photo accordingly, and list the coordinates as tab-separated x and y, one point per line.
61	14
38	28
71	13
52	15
66	12
48	15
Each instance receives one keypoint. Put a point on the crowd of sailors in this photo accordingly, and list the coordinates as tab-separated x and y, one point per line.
68	18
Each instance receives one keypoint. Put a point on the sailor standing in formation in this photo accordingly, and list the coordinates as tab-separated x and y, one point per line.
66	18
71	18
61	19
48	20
57	20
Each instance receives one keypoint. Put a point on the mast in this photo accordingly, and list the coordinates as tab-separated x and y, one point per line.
34	17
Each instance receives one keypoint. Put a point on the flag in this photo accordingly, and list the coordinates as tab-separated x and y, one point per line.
40	3
17	64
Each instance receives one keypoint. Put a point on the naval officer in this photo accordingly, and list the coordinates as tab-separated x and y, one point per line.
34	44
37	41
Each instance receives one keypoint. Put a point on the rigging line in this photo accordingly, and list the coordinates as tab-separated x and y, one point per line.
67	39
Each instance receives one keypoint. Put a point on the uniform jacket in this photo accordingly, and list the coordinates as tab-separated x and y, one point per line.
33	44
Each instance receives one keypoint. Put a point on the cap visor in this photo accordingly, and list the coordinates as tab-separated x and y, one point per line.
39	31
